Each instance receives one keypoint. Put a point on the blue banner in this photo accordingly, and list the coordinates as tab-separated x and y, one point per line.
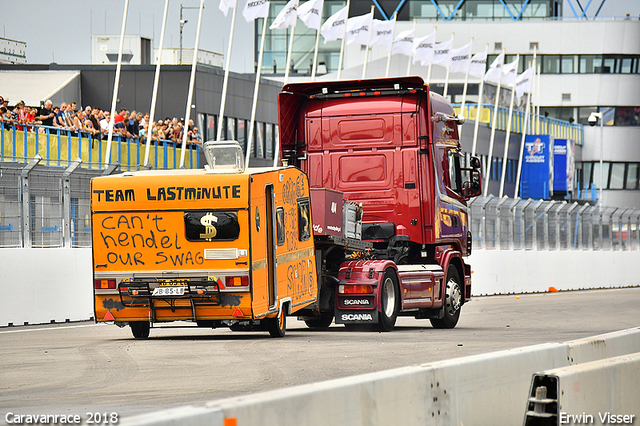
537	167
564	151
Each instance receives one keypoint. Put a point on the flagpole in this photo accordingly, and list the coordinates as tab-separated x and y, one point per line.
225	82
537	103
478	109
493	130
255	96
344	36
446	80
386	74
156	82
289	53
366	54
315	53
435	28
415	22
464	93
524	131
506	140
116	85
192	81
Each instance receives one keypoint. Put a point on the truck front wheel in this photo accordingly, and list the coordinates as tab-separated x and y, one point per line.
140	329
452	301
389	301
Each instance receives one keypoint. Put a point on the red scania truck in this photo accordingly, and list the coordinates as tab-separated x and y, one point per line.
391	147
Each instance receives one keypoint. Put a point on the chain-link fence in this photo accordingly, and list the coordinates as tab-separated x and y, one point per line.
514	223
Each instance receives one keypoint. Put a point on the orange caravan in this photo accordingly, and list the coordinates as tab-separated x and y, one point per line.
219	246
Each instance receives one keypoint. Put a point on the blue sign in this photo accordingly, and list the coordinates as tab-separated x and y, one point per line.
537	167
564	151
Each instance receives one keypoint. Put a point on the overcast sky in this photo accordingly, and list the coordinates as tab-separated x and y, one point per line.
60	31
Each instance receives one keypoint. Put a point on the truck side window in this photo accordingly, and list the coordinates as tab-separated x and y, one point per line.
304	222
280	225
455	177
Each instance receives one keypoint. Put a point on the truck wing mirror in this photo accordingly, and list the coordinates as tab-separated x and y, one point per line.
441	116
472	185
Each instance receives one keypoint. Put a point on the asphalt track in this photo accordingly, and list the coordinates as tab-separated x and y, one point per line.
87	368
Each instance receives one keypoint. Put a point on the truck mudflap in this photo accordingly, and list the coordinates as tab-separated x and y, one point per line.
357	297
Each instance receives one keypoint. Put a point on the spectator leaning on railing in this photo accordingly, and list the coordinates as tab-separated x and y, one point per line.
94	122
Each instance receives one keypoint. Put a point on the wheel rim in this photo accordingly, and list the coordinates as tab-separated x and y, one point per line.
454	296
388	297
281	321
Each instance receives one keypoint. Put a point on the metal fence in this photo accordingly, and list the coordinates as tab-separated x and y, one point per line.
519	224
48	206
45	206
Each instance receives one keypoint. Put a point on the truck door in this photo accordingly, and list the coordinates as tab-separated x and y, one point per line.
270	224
450	214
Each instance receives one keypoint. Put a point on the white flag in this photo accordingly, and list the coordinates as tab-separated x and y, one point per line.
359	29
423	49
478	64
333	28
493	74
403	43
442	53
255	9
509	73
523	82
286	17
225	5
382	32
460	59
311	13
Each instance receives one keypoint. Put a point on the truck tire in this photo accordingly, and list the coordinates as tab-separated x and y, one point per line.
389	301
140	329
321	322
452	301
277	326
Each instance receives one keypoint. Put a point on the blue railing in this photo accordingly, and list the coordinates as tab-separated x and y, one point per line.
60	147
560	129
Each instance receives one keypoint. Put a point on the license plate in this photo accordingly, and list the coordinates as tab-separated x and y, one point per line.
168	291
173	283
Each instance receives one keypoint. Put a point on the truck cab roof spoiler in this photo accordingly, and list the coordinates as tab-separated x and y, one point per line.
340	88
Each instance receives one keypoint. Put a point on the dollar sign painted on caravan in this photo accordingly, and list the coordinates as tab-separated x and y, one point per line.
207	221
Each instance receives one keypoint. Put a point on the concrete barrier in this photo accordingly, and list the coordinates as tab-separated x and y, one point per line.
601	392
45	285
487	389
530	271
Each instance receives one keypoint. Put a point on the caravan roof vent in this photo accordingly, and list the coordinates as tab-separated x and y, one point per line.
224	156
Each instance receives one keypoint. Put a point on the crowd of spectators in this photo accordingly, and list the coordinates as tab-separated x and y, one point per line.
94	122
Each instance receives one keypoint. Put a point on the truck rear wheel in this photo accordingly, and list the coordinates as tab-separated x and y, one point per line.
277	326
452	301
322	321
389	301
140	329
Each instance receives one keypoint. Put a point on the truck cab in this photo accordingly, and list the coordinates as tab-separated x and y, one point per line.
391	146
